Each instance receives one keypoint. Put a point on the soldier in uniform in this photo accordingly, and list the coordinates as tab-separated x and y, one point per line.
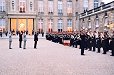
10	40
98	42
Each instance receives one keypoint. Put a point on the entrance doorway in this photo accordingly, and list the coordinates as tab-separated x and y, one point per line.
21	25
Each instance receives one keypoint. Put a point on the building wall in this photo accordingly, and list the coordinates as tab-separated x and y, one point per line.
77	6
105	18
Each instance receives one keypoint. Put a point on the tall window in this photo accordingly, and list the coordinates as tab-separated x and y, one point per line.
69	6
60	25
86	4
40	25
40	6
31	6
50	23
96	3
2	5
22	6
97	23
69	23
2	23
89	24
50	6
60	7
13	3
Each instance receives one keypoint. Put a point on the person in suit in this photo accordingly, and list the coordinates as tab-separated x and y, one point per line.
82	43
24	39
20	39
35	40
10	40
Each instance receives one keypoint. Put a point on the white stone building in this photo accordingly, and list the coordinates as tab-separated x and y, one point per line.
43	15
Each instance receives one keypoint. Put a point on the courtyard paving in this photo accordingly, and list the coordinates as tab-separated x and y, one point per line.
51	59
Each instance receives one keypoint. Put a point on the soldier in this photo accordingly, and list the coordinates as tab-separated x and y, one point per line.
98	42
10	40
105	43
24	39
35	40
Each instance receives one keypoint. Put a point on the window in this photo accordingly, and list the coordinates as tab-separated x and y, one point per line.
69	23
50	6
2	23
2	5
22	6
106	21
96	3
40	6
69	6
86	4
31	6
60	7
97	23
40	25
50	25
12	5
60	26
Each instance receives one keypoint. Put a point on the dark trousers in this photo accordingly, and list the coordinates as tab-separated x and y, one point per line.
35	44
104	51
98	50
93	48
82	51
112	52
20	43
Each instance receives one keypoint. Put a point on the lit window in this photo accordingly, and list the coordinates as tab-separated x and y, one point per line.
69	23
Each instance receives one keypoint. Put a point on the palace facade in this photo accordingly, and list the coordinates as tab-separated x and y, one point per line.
43	15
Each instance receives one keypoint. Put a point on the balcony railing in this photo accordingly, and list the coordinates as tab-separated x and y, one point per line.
40	13
50	13
60	14
98	9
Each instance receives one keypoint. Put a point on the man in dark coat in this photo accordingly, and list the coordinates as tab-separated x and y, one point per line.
82	43
20	39
35	40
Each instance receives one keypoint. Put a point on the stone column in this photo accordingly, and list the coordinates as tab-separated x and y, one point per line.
17	26
27	24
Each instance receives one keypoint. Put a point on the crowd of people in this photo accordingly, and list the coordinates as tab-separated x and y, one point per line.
87	40
22	37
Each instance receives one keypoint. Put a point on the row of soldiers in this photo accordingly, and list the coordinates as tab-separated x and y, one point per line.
87	40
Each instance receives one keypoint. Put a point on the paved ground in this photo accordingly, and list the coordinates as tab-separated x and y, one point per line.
52	59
